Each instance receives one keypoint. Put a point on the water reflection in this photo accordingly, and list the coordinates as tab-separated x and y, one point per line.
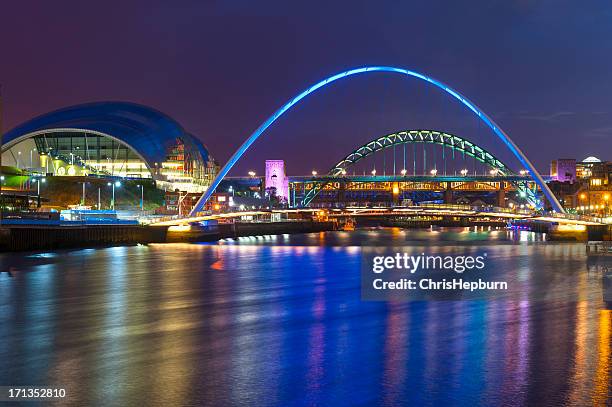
279	321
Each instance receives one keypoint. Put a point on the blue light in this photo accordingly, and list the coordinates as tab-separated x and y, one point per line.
486	119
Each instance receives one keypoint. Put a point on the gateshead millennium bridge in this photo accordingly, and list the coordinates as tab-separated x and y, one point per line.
495	129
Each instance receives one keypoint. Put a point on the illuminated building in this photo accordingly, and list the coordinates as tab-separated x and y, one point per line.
592	193
276	179
111	139
563	170
584	169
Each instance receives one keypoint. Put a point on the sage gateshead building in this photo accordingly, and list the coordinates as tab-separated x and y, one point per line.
115	139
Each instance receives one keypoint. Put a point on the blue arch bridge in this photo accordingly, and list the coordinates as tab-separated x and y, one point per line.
405	176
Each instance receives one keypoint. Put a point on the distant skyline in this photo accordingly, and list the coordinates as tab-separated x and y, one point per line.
542	70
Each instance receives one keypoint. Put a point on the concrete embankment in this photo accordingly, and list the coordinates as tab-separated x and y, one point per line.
31	237
18	238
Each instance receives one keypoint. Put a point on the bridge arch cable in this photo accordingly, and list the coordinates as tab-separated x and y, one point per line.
388	69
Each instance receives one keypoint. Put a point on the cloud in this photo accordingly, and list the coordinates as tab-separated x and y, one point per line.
600	132
548	117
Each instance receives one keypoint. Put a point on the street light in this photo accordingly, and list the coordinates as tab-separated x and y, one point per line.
493	172
374	171
523	172
141	197
38	182
113	185
314	173
464	172
252	174
433	172
403	172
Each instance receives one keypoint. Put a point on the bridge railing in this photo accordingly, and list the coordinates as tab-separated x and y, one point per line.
584	218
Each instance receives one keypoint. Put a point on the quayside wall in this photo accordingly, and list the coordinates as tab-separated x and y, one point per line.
45	237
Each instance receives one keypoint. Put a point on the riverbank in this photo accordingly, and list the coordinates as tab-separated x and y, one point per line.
30	237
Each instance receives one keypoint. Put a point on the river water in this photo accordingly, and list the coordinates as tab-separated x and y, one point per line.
278	320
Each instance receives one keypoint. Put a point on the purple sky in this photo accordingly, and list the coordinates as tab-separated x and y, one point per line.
541	69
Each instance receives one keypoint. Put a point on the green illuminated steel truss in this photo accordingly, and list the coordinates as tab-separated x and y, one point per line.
455	143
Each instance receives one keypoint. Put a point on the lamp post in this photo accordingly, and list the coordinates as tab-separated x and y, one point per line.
113	185
83	194
38	181
582	196
141	197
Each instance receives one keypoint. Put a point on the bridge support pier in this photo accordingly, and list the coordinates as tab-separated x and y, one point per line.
342	193
501	197
448	194
395	193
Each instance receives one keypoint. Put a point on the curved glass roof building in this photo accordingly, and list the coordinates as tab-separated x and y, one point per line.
110	138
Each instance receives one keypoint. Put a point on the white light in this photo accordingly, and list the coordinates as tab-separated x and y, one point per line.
343	172
523	172
374	172
117	183
433	172
493	172
314	173
464	172
251	173
403	172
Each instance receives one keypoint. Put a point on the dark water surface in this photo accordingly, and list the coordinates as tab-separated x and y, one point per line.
278	320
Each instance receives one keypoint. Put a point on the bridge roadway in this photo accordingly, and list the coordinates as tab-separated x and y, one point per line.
405	178
428	210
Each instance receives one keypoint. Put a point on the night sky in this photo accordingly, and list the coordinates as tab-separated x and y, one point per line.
541	69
